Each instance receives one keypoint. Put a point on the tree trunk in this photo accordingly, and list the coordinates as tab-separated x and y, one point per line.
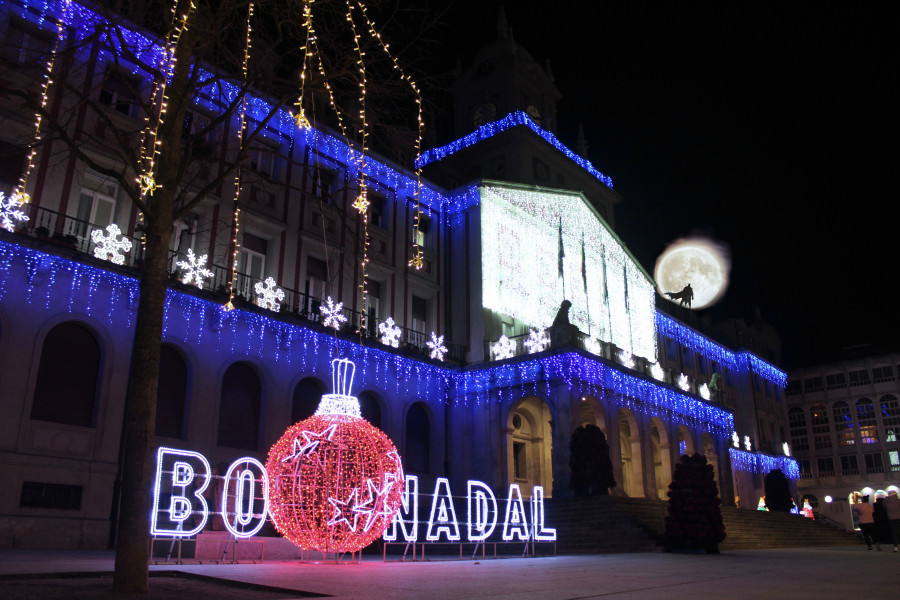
133	539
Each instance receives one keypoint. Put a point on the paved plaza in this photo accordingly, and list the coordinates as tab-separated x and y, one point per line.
796	573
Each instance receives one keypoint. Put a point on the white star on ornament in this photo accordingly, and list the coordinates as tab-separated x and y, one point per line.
9	209
683	382
626	358
109	246
537	341
194	268
343	508
390	333
269	295
333	315
370	508
310	443
438	350
504	348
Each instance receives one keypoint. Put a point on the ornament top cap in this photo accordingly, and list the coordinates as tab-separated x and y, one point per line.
342	372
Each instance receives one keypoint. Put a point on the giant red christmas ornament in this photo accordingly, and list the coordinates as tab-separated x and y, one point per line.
335	479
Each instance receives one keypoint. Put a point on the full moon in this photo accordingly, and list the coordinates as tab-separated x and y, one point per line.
700	262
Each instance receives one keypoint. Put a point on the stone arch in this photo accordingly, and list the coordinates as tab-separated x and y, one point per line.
685	441
240	407
661	450
370	407
172	392
630	449
306	397
712	456
529	447
417	458
592	411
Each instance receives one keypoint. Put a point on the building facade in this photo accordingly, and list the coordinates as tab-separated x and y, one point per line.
844	419
468	364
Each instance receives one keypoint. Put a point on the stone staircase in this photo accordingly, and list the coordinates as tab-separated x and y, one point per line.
618	524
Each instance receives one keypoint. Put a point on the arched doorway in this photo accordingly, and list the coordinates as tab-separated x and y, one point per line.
685	441
630	449
662	457
591	412
529	447
712	457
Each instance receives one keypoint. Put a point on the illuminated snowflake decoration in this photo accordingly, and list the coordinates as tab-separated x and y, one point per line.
747	445
438	350
537	341
683	382
593	346
626	358
147	184
302	121
657	371
109	247
361	203
333	314
416	262
269	295
9	210
390	333
194	267
704	391
786	448
735	440
504	348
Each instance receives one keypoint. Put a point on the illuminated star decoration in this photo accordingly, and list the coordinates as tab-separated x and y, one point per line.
343	508
194	268
704	391
269	295
109	246
683	382
657	372
334	317
9	209
361	203
504	348
747	445
438	350
390	333
537	341
310	443
370	508
626	358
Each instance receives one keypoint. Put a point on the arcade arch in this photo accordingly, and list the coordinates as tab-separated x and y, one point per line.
662	456
529	447
630	450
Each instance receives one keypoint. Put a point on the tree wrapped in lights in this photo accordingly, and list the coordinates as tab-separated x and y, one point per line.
336	480
694	521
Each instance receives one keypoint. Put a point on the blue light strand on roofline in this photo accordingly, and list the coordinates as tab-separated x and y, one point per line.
199	320
737	361
761	464
513	119
83	21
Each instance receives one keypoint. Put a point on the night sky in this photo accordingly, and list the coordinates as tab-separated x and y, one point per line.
769	127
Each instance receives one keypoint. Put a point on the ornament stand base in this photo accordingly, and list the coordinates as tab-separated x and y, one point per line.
330	558
530	550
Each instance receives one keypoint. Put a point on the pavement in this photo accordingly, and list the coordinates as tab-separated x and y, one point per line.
795	573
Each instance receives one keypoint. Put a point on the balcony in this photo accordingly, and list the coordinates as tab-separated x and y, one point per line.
64	231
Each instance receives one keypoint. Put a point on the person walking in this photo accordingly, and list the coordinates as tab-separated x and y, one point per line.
865	512
892	507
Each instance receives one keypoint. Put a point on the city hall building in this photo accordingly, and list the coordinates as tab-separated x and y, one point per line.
459	362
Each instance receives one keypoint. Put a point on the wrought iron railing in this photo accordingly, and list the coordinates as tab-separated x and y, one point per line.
70	232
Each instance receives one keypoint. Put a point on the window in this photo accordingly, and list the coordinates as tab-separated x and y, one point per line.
702	362
843	423
322	183
797	425
239	408
264	161
805	469
894	457
860	377
50	495
825	466
671	352
314	287
251	263
68	376
198	129
370	408
835	380
307	396
890	411
793	388
812	384
880	374
820	429
849	465
688	357
377	204
373	315
865	414
419	320
519	463
423	230
171	393
26	45
418	440
119	92
96	205
874	462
